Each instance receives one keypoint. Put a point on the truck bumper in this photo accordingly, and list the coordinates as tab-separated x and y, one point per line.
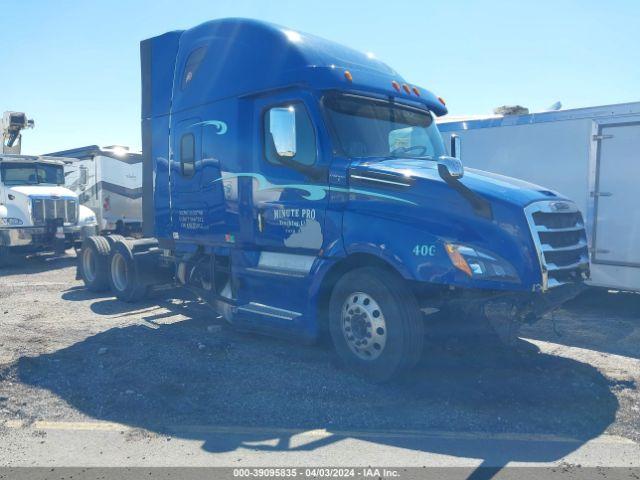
507	313
28	238
472	312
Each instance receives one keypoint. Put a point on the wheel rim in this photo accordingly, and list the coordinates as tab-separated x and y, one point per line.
89	265
363	326
119	273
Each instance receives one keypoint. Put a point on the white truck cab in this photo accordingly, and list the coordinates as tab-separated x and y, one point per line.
36	211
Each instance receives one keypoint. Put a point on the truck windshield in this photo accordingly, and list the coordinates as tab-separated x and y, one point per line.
367	127
31	174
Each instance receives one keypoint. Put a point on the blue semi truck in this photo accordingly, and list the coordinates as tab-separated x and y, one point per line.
302	187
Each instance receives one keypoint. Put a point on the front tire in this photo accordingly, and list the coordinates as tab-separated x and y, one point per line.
375	324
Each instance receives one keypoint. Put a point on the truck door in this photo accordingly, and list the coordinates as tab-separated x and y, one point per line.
187	204
617	235
289	200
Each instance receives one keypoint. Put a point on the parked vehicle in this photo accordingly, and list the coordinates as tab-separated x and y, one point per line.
36	212
109	181
590	154
302	187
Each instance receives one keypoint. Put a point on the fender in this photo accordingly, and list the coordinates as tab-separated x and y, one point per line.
420	255
413	252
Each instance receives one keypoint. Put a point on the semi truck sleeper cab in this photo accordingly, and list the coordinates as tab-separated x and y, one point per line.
302	187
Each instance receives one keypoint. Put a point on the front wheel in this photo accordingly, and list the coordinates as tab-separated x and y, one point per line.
375	323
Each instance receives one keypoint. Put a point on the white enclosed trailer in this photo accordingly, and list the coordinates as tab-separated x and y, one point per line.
591	155
109	181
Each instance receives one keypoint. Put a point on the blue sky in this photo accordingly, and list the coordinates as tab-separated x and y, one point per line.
73	66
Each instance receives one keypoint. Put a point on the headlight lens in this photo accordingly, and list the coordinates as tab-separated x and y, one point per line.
10	222
481	264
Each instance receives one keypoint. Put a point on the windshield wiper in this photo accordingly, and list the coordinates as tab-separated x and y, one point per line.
408	155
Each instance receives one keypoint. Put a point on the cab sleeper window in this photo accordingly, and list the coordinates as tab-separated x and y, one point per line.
289	135
187	154
190	68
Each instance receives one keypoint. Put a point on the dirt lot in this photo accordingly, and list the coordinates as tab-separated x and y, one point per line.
68	355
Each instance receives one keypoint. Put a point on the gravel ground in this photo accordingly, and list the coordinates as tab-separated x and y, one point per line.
67	354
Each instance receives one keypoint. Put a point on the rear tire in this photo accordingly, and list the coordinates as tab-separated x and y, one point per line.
114	238
124	278
376	325
93	263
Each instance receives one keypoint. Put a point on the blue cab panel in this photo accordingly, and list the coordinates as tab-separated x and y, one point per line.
293	156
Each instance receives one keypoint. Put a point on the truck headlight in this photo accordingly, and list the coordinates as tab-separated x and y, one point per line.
10	222
481	264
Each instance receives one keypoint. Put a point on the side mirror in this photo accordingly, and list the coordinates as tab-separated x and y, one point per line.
450	167
455	146
281	132
284	126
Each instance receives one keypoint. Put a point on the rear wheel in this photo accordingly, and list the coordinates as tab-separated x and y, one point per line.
375	324
93	263
125	281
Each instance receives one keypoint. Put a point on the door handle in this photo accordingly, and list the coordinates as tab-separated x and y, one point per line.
601	194
260	221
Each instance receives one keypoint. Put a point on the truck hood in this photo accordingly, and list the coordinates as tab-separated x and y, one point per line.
42	191
423	180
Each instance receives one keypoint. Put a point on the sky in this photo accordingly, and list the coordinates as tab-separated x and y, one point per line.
73	66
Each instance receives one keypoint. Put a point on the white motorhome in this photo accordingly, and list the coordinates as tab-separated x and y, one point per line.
36	211
591	155
109	181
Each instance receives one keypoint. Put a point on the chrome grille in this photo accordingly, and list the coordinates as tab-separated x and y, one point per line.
558	232
46	209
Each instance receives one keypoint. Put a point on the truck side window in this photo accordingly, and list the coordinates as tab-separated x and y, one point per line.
187	154
288	133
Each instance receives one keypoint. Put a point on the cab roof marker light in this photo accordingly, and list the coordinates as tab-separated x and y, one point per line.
293	36
442	101
395	85
348	76
416	91
406	88
457	259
